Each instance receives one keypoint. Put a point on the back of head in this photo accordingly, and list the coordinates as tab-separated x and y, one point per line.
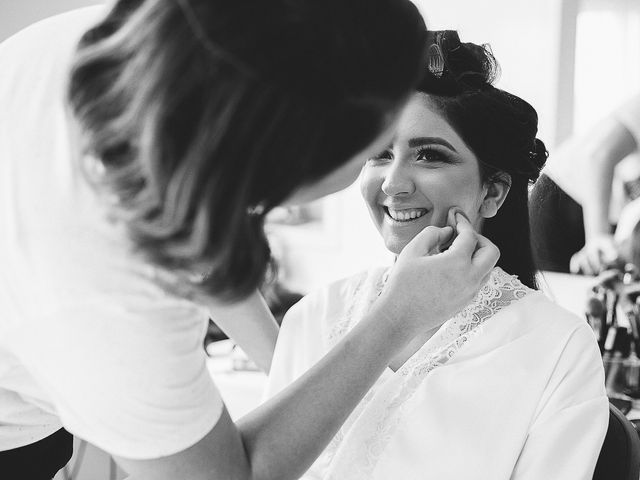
199	110
500	128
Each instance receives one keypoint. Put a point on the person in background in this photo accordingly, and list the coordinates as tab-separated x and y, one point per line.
510	388
573	212
141	146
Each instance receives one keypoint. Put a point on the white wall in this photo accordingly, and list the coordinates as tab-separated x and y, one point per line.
524	36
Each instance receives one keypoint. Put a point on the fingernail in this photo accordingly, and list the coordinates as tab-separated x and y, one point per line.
451	216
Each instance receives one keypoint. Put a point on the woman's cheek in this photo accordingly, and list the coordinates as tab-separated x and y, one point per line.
448	193
370	185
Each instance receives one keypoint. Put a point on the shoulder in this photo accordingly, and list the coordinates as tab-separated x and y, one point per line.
537	325
568	349
564	340
553	326
551	316
308	326
36	63
66	28
317	316
334	299
540	300
629	115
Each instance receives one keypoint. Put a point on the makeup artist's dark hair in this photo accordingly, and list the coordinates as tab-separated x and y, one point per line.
198	111
499	128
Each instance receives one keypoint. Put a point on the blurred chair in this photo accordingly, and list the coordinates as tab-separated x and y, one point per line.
620	455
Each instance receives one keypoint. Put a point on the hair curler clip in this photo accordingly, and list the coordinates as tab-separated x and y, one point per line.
440	42
435	60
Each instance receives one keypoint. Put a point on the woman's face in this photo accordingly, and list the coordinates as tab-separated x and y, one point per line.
425	171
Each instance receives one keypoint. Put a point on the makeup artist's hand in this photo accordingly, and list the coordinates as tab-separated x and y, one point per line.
598	254
426	287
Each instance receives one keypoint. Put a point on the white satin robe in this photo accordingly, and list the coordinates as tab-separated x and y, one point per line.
510	388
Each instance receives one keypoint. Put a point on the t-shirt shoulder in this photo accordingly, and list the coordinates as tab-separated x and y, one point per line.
68	25
629	115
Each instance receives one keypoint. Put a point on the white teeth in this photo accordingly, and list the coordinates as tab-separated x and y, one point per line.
406	215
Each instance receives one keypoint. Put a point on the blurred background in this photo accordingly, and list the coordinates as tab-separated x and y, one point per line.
556	54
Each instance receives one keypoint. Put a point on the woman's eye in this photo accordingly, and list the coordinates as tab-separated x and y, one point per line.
430	155
386	155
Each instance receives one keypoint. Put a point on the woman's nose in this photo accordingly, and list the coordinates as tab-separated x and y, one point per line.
397	181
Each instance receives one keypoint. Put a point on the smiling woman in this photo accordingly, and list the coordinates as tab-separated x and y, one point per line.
426	171
512	372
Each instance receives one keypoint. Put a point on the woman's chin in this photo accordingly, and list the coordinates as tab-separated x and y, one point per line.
396	237
396	245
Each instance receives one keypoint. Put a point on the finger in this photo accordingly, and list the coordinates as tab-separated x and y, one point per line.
464	244
594	263
574	263
584	265
601	261
452	214
462	223
486	256
579	263
428	240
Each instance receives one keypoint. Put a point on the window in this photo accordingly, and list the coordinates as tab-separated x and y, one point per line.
607	58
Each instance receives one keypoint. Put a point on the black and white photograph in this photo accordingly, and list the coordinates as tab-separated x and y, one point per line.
319	240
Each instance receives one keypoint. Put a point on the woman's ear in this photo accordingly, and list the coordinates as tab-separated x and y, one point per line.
497	189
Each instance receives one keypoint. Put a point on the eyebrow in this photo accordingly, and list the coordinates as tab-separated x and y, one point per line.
420	141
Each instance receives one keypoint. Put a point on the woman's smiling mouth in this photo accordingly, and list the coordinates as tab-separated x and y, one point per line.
404	214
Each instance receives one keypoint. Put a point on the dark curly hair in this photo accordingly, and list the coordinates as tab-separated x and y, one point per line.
197	111
500	129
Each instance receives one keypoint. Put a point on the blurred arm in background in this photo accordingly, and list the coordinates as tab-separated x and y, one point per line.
571	202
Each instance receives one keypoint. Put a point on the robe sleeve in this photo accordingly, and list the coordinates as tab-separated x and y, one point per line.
567	432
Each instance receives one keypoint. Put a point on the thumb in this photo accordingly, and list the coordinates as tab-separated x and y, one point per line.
427	241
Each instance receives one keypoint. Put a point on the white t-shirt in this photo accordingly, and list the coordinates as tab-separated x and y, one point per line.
567	167
629	115
87	340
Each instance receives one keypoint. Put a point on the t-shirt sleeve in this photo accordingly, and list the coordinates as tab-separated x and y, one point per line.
132	381
567	433
629	115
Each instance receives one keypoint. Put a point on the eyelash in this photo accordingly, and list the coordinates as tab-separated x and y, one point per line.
426	151
386	155
432	152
